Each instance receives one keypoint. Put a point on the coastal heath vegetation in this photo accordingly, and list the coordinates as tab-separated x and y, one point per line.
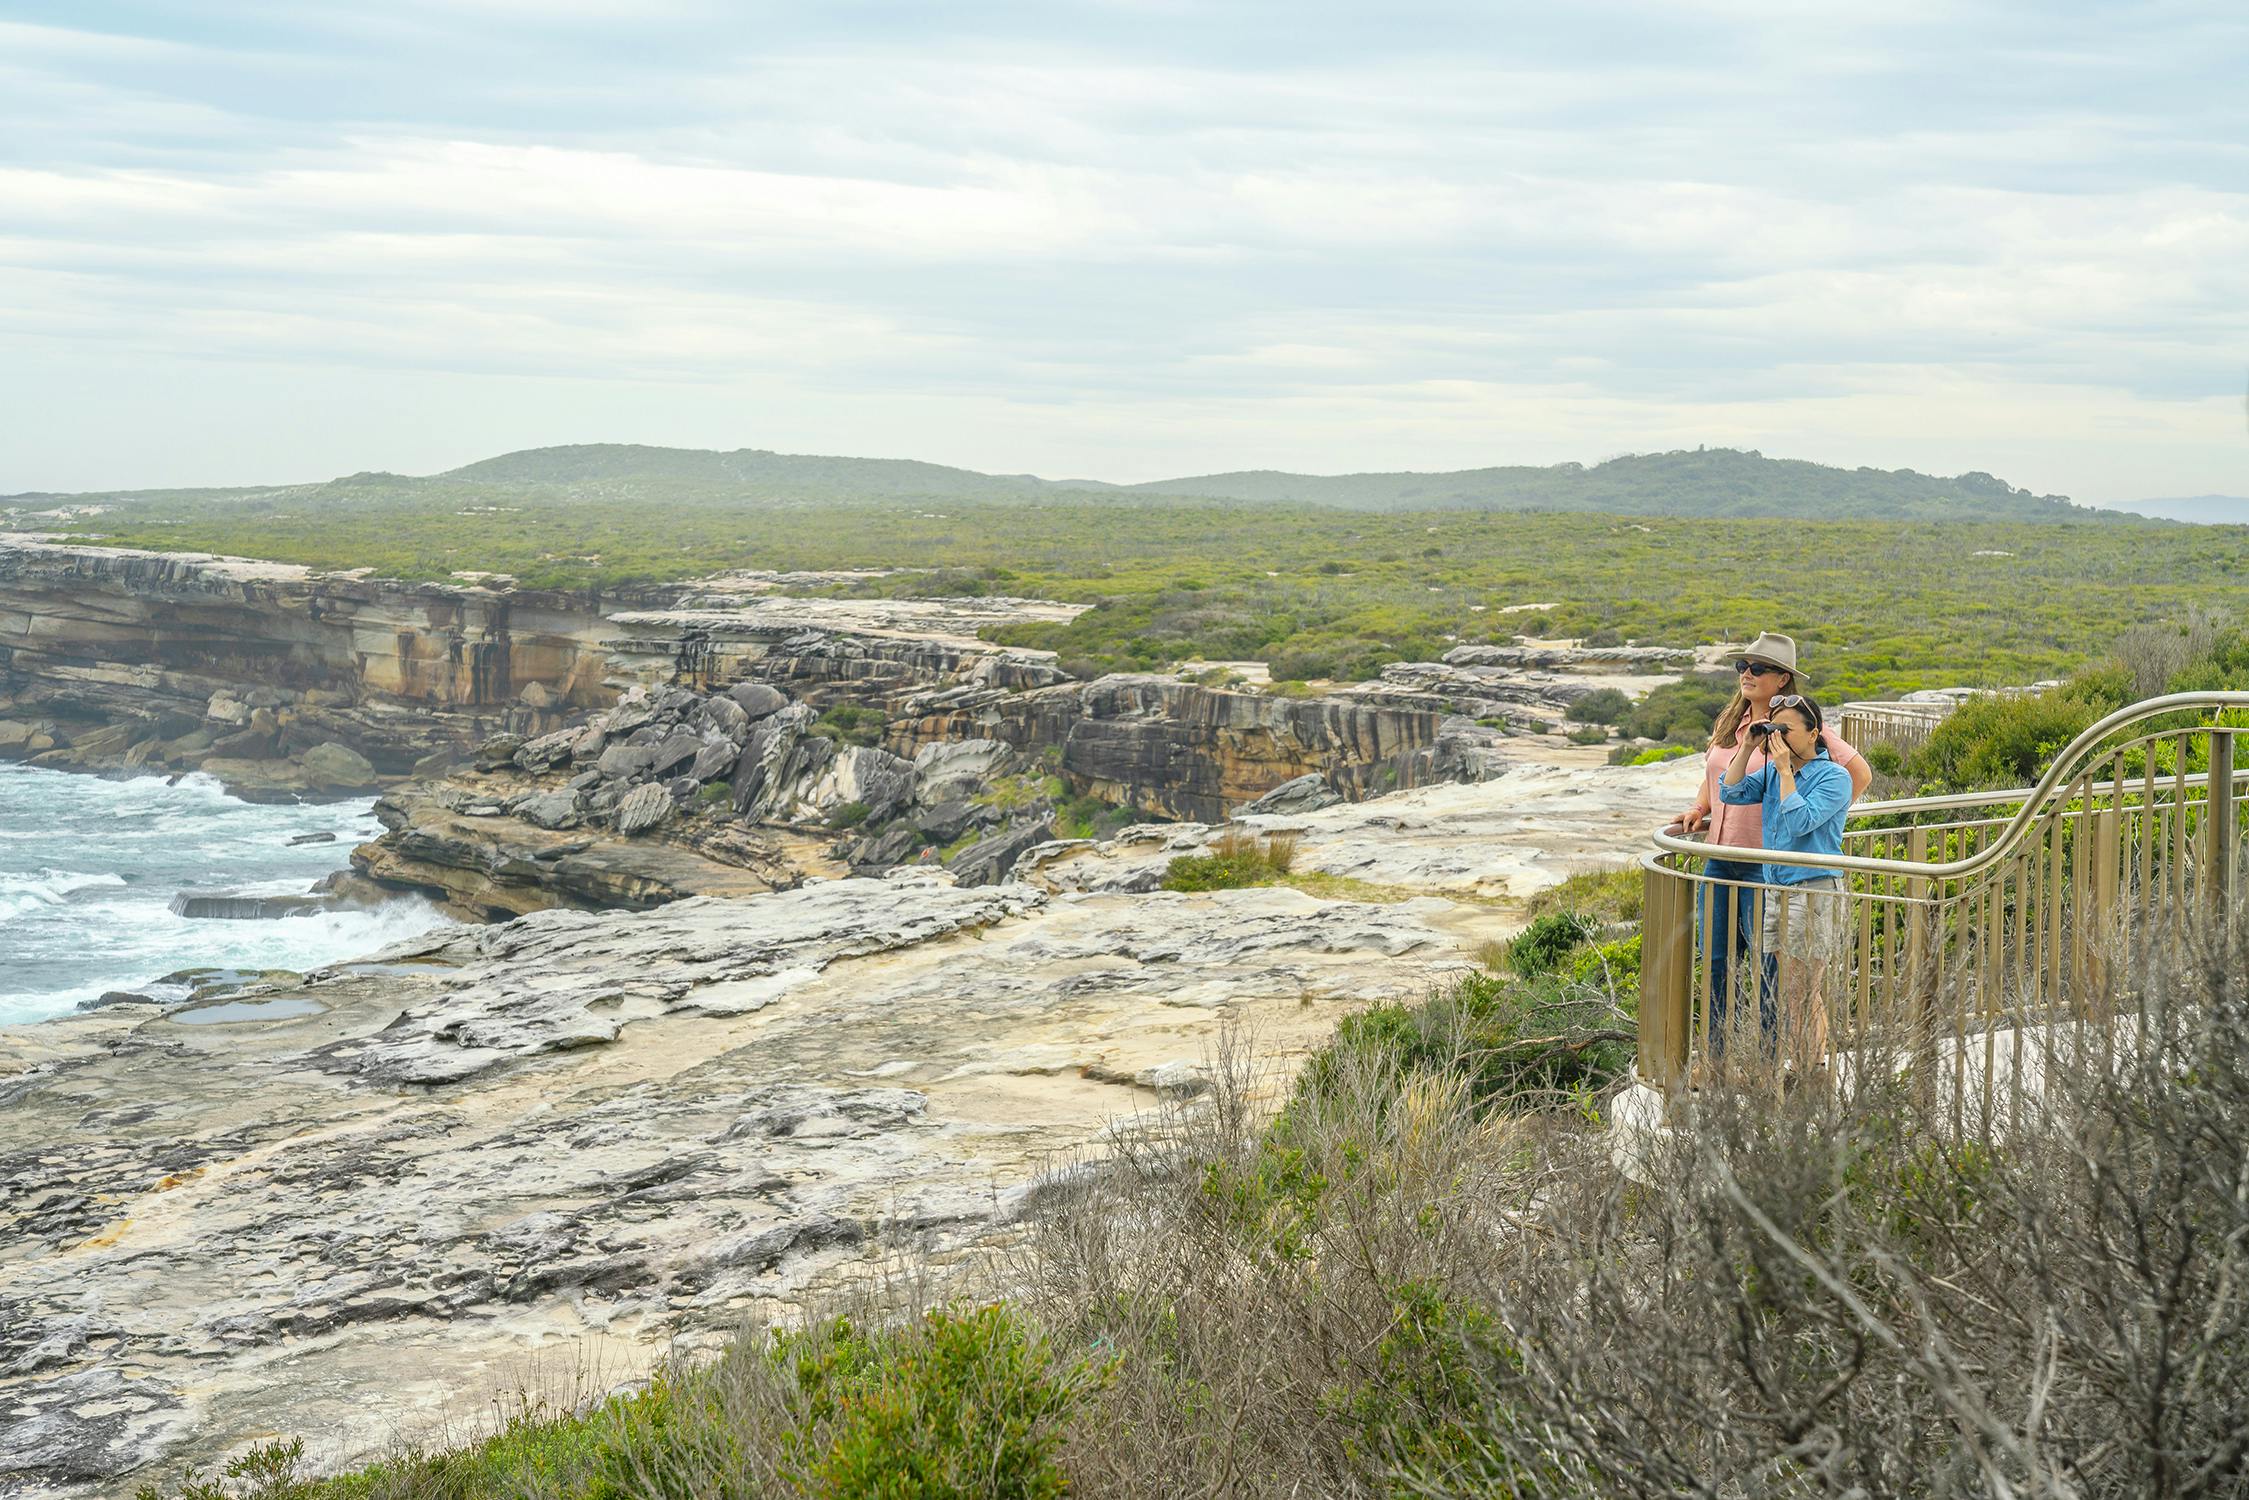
1428	1272
1313	592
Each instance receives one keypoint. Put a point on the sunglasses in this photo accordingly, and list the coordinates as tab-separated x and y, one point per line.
1756	668
1791	700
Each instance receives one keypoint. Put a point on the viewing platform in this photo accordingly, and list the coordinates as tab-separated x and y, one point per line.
1964	921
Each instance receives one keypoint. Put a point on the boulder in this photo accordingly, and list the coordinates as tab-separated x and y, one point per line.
244	744
226	708
547	750
101	744
497	751
947	821
715	761
677	749
549	810
537	696
14	736
882	782
624	762
950	770
778	754
893	845
643	808
1307	793
988	860
756	700
724	716
337	767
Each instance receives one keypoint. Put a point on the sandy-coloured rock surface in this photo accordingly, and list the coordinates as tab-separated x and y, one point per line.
354	1208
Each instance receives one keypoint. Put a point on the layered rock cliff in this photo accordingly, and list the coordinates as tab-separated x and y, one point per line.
120	658
285	681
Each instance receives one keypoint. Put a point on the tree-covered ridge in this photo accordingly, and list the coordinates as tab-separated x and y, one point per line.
1705	482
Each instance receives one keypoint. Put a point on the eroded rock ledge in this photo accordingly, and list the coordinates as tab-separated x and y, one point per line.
285	683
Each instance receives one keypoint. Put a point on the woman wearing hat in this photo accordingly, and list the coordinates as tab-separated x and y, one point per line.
1765	669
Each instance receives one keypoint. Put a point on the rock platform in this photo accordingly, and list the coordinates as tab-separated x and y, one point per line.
571	1142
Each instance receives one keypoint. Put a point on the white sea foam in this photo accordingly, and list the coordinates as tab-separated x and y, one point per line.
88	869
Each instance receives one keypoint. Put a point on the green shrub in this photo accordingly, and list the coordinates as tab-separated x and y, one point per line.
1613	965
1683	710
971	1405
850	725
1601	706
1517	1042
1237	860
1424	1381
588	1455
1589	734
2009	741
1885	759
850	815
1651	755
1612	895
1540	947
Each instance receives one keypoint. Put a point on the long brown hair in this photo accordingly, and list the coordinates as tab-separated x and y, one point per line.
1728	728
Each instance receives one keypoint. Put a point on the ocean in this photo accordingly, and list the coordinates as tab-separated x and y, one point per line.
89	867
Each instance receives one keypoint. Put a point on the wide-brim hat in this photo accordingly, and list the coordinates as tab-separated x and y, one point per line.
1774	650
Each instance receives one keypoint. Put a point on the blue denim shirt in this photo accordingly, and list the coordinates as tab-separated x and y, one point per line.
1807	821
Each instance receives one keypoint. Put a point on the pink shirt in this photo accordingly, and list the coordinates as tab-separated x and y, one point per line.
1744	826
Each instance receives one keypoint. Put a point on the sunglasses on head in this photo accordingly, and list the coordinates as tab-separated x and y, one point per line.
1757	668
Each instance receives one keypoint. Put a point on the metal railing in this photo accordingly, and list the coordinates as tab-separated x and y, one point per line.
1960	919
1904	725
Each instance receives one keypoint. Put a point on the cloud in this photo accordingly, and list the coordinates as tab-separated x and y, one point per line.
1452	237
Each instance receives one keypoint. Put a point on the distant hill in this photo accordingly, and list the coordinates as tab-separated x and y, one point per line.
748	471
1704	482
2203	510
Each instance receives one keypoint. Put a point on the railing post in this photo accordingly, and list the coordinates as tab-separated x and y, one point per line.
1667	927
1921	967
2099	922
2220	826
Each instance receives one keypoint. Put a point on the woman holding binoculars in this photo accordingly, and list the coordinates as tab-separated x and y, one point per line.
1732	920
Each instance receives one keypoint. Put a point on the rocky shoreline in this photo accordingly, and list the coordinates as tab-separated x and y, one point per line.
345	1206
810	932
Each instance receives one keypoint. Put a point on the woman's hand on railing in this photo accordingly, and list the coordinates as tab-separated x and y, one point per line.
1692	820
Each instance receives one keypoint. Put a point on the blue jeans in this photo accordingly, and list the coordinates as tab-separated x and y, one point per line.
1737	910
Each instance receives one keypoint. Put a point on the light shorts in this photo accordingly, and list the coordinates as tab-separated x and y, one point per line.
1808	922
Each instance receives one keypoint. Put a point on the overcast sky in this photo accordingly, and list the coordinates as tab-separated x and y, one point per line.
247	243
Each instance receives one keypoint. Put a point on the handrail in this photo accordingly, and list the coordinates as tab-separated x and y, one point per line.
2034	802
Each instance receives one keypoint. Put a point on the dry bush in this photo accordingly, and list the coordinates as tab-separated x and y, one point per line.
1276	852
1251	1282
2155	654
1840	1296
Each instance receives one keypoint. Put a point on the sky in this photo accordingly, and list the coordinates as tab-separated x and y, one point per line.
265	242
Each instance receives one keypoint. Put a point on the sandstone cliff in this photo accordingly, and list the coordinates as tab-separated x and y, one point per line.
285	682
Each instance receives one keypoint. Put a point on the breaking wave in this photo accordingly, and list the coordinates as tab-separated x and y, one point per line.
88	870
